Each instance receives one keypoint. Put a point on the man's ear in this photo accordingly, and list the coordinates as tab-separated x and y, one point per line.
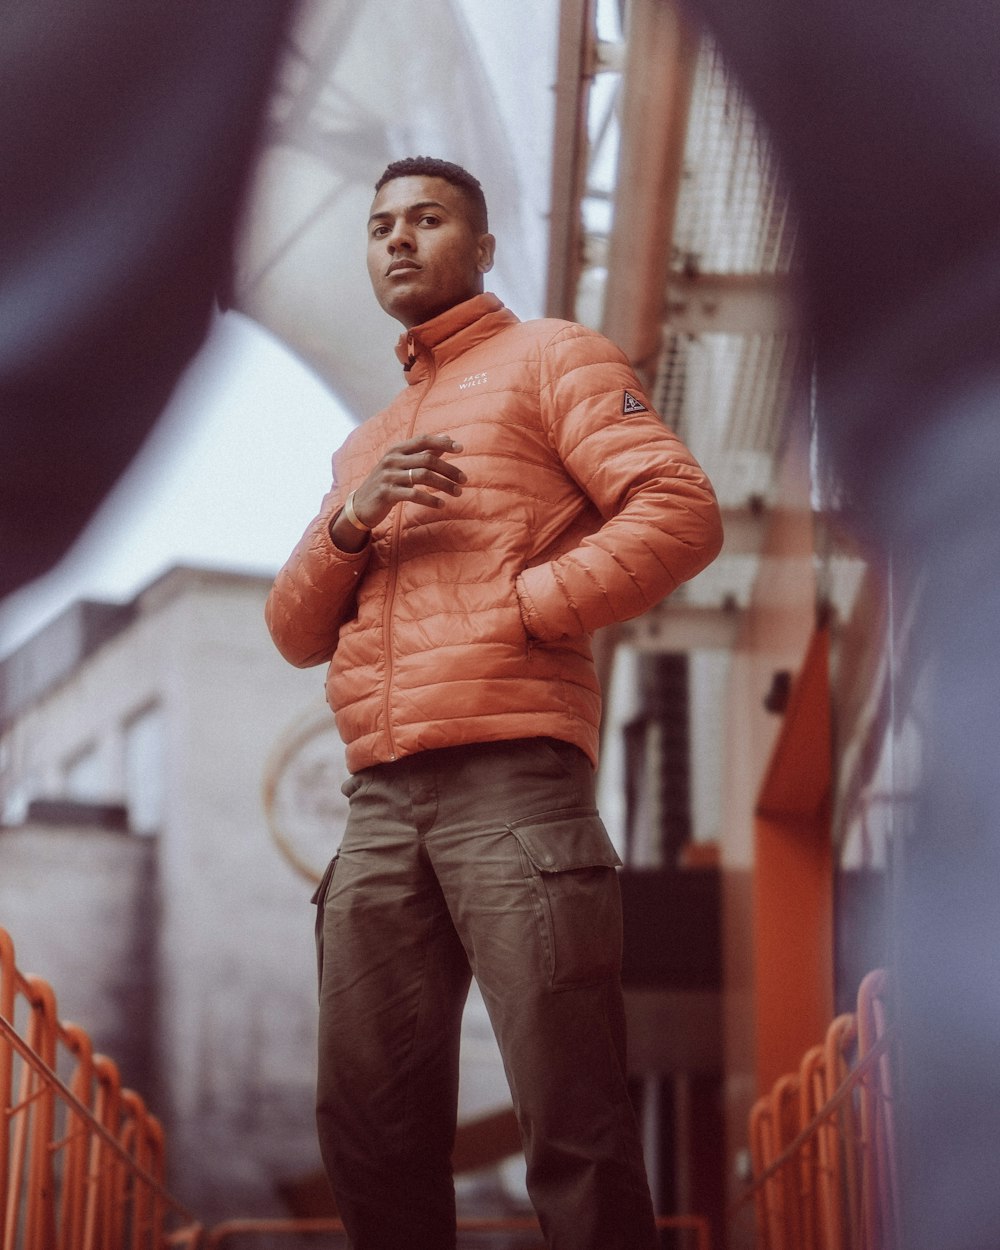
487	248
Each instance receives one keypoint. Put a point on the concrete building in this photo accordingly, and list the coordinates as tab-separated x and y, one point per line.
183	940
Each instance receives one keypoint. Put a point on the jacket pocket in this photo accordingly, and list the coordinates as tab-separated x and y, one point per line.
569	863
522	610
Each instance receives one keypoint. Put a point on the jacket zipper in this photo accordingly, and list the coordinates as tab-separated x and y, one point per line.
390	596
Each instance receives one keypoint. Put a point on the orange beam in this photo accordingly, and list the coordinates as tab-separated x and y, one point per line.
659	74
574	73
793	879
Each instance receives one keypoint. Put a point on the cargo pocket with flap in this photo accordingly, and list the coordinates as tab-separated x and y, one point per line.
569	863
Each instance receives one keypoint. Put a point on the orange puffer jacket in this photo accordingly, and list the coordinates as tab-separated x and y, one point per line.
472	623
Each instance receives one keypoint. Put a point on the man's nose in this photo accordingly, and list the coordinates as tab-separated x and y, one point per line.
400	238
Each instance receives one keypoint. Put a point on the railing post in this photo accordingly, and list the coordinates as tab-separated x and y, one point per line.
7	992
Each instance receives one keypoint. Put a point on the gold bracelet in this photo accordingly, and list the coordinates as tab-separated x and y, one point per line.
353	517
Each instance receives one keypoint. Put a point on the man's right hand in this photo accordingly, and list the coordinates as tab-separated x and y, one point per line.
414	472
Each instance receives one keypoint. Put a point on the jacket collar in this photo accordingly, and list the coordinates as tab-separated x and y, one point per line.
451	333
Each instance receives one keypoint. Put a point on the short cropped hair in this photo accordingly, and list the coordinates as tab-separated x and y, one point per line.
432	167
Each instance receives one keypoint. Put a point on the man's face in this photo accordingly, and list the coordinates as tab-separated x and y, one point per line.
424	255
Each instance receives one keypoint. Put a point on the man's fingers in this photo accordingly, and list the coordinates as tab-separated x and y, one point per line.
441	468
439	475
429	442
425	499
424	456
414	471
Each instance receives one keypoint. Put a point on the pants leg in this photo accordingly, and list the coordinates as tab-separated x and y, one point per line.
490	856
393	983
528	873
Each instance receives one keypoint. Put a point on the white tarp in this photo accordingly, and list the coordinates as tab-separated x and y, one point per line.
366	83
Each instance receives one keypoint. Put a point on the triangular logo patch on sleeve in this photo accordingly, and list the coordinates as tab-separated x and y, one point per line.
631	405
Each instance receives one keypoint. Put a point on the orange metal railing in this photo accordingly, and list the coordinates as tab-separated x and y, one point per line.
242	1233
81	1158
822	1140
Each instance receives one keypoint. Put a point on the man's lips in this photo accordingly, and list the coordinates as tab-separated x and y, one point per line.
398	266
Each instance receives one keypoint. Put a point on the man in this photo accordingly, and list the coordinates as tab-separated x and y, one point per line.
515	497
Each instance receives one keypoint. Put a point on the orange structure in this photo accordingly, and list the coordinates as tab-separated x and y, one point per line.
81	1158
82	1161
793	877
823	1140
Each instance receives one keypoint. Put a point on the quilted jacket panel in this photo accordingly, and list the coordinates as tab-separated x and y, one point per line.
473	623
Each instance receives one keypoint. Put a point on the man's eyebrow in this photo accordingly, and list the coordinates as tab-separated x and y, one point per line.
410	208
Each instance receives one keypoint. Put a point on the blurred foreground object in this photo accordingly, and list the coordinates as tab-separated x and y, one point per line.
885	117
126	137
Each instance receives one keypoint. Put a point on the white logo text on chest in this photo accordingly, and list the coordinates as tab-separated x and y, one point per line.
473	379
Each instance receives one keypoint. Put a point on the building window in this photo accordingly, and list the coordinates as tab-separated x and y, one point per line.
83	776
144	790
14	807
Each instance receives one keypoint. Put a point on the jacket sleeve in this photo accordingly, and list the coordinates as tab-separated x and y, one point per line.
661	521
315	592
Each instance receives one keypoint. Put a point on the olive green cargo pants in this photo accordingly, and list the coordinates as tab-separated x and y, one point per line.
488	861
